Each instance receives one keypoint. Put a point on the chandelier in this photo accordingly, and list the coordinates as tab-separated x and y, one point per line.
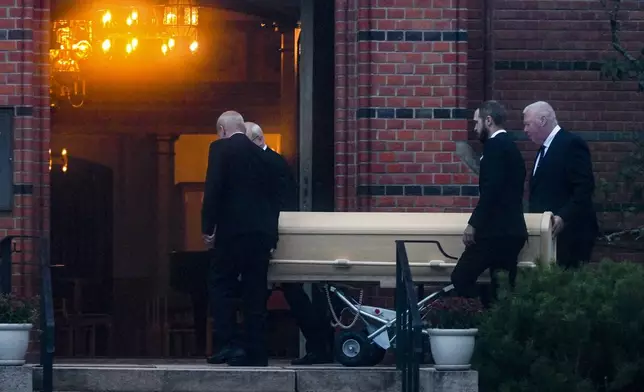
62	159
179	21
114	34
171	27
72	46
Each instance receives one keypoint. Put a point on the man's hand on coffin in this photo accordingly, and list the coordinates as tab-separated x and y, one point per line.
557	225
468	235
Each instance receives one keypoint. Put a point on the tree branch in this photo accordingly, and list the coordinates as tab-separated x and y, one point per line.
615	29
638	231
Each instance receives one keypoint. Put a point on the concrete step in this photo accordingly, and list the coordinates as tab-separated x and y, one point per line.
204	378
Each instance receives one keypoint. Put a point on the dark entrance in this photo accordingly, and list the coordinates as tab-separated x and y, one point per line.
81	252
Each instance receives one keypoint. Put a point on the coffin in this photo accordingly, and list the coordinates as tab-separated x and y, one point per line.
360	246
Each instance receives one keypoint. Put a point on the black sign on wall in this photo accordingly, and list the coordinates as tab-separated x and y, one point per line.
6	159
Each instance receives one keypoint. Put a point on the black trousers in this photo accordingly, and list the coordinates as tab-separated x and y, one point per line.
312	316
487	253
247	258
573	251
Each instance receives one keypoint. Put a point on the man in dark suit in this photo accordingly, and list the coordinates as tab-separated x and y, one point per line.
311	316
496	231
239	225
562	182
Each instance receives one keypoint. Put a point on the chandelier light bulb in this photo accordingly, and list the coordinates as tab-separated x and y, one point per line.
107	17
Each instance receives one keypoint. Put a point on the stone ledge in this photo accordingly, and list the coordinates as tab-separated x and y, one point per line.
16	379
321	379
197	378
432	380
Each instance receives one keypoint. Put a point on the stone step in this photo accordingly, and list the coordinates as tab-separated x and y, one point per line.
204	378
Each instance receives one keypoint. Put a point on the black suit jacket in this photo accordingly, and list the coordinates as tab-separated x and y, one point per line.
286	181
564	184
499	212
240	195
287	196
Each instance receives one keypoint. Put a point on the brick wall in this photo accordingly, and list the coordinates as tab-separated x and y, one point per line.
24	45
552	51
547	50
395	59
401	69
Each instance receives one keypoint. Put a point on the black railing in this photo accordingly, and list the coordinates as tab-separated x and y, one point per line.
6	252
409	349
47	325
47	347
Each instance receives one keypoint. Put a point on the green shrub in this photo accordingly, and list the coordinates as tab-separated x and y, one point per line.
565	331
15	310
454	313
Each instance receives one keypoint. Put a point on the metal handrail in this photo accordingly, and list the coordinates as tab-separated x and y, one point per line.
47	346
409	325
47	323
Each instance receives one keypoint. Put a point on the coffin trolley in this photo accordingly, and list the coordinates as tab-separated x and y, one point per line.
337	248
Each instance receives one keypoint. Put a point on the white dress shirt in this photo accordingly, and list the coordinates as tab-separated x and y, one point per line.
492	137
546	145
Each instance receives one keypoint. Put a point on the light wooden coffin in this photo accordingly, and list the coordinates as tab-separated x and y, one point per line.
360	246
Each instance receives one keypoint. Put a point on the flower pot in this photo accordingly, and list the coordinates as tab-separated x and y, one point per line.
452	349
14	341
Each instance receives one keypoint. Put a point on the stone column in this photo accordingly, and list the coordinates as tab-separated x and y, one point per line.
306	104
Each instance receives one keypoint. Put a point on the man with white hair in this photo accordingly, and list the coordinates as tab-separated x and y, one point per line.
287	184
238	225
562	182
310	316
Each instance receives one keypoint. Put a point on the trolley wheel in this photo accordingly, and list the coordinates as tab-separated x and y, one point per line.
377	354
353	349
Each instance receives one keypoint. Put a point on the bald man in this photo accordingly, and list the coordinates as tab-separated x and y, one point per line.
562	182
311	316
238	224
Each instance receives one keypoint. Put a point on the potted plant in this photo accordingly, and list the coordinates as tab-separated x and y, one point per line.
17	317
452	331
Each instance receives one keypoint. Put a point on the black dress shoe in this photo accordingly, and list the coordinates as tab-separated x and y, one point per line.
313	359
225	355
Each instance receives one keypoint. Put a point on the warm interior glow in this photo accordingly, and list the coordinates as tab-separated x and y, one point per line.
171	43
62	159
164	48
194	46
107	17
191	155
170	18
106	45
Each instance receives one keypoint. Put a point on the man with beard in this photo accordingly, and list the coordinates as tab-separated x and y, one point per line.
496	231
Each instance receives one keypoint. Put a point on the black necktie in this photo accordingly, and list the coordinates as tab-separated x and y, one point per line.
542	152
